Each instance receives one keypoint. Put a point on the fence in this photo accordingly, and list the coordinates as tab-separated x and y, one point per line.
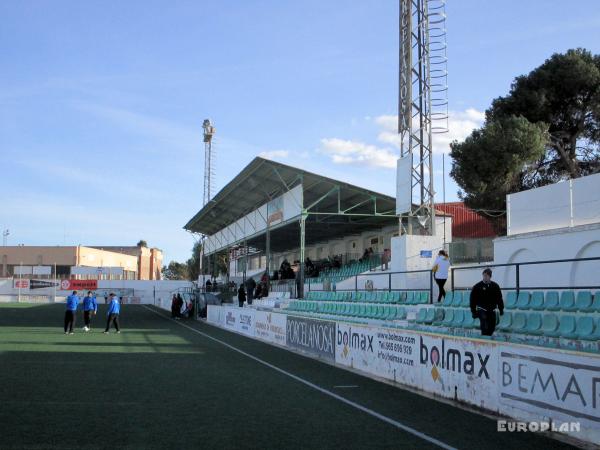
576	273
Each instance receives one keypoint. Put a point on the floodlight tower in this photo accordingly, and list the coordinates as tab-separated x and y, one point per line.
422	106
209	132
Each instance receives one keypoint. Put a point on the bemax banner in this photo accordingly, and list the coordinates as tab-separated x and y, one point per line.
316	337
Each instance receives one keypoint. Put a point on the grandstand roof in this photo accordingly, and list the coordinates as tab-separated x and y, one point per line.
334	208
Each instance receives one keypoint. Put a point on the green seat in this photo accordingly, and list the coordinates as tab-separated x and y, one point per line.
585	328
421	315
395	297
519	322
596	334
465	302
424	297
551	301
511	300
380	312
448	299
459	318
401	314
429	316
439	316
457	299
567	327
469	321
537	301
362	311
523	300
387	313
410	295
505	321
358	296
550	325
567	301
448	317
584	301
393	313
534	324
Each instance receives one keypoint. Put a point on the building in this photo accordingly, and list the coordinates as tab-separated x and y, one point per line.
126	263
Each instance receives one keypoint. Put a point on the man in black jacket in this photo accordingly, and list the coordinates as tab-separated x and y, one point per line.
486	296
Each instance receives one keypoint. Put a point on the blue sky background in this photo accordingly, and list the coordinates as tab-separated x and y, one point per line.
101	103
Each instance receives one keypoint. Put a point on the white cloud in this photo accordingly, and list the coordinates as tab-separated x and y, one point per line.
354	152
460	125
274	154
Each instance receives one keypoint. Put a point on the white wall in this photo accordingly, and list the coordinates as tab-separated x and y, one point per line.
566	204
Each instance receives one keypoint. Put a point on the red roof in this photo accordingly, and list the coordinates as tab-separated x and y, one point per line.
466	223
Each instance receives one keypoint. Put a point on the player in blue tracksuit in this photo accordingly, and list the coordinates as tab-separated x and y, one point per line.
114	308
90	307
71	311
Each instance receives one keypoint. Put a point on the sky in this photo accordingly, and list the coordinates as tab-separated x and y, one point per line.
102	102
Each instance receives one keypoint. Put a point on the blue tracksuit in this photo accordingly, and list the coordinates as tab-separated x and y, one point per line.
89	304
72	302
114	307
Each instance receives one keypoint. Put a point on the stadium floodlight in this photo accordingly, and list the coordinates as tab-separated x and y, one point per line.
5	235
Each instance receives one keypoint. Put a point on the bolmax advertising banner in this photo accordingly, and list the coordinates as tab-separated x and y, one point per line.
553	386
384	353
270	327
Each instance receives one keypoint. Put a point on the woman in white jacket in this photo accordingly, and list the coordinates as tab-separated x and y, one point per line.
440	272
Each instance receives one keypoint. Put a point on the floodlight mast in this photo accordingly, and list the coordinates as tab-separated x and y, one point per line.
209	132
422	99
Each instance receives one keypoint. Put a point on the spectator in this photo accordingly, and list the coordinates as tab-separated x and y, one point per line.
365	256
250	286
486	296
241	295
174	307
440	272
180	304
265	289
258	291
385	259
208	285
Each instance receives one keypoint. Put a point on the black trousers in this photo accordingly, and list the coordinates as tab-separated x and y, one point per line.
69	321
487	321
114	318
87	318
442	293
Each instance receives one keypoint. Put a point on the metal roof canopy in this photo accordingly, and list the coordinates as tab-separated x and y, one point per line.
331	208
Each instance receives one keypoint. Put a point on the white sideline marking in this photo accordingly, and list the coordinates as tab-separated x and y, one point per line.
318	388
346	387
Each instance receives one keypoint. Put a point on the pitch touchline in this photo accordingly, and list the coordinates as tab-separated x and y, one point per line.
318	388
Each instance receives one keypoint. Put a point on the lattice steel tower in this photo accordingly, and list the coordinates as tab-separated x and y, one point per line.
209	132
422	106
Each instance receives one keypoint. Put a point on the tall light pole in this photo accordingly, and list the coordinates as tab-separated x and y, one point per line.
422	106
5	234
209	132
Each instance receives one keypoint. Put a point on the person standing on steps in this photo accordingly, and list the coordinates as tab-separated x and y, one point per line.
486	296
440	272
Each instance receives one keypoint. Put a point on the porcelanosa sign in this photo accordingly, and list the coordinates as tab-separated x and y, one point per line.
316	337
559	386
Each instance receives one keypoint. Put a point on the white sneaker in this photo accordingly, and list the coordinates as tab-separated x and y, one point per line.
86	329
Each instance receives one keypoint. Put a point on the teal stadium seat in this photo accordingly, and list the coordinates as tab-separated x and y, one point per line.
584	301
424	298
519	322
439	316
421	315
551	301
465	302
585	328
511	300
401	313
534	324
567	301
459	318
550	325
505	321
448	317
447	299
567	327
430	316
537	301
469	321
457	299
523	300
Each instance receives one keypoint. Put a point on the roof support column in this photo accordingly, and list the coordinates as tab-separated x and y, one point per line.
268	255
300	277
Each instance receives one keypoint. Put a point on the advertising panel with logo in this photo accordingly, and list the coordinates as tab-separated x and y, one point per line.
316	337
270	327
213	314
240	320
556	386
459	368
385	353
